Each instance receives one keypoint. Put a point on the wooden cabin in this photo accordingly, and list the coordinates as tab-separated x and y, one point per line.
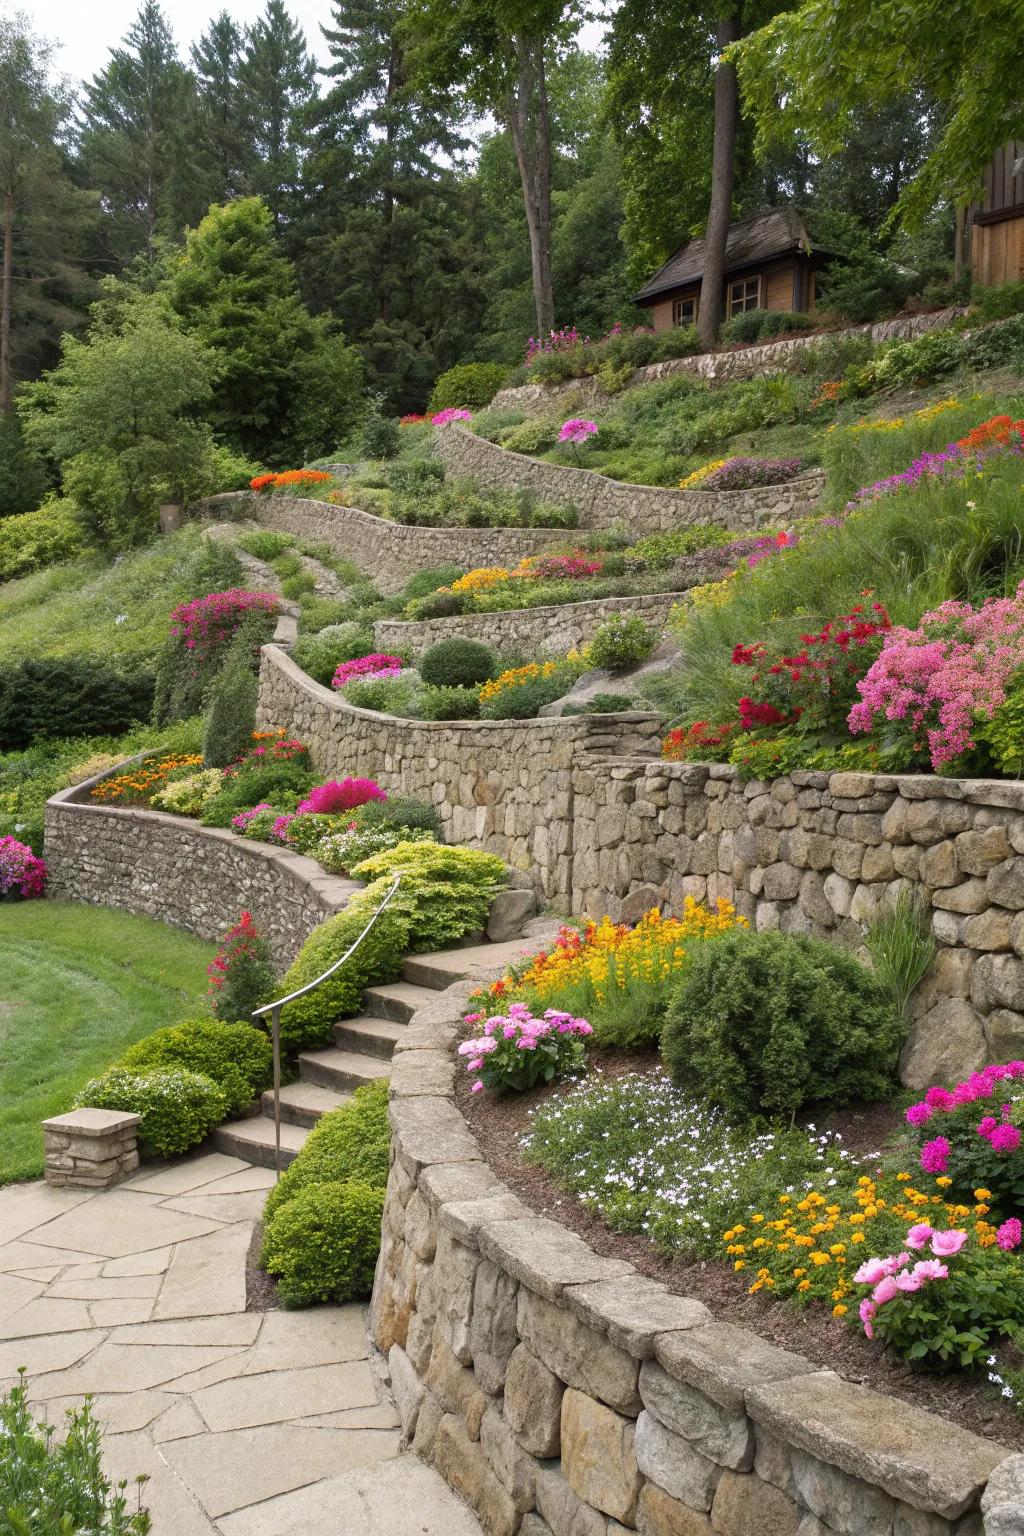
997	223
770	263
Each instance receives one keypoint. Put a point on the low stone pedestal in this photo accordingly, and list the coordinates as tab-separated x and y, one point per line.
91	1148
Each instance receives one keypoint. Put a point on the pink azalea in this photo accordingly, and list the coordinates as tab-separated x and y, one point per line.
1009	1234
945	1244
917	1114
576	430
918	1235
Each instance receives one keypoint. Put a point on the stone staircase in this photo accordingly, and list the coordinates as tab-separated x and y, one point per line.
361	1052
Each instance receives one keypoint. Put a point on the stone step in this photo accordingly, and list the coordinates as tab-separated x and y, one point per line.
440	969
341	1070
303	1103
396	1000
253	1140
368	1035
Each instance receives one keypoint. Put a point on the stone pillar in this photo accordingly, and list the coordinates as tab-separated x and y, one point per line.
91	1148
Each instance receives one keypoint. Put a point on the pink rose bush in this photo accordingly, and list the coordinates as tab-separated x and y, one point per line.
971	1134
515	1051
22	873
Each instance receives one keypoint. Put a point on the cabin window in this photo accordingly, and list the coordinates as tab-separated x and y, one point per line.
744	295
684	311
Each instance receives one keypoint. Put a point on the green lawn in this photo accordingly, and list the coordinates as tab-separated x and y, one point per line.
77	985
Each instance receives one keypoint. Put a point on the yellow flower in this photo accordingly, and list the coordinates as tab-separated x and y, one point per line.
983	1194
944	1181
839	1310
804	1285
904	1178
740	1264
820	1258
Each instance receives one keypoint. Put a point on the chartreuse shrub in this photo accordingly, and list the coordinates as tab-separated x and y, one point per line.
763	1023
308	1021
34	539
178	1108
349	1143
457	663
188	796
237	1057
323	1244
445	892
56	1487
469	385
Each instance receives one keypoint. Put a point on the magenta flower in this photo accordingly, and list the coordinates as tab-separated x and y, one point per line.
577	431
935	1155
931	1269
442	418
885	1290
1005	1138
340	795
919	1235
945	1244
917	1114
1009	1234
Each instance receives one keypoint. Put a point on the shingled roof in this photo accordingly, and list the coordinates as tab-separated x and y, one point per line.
761	237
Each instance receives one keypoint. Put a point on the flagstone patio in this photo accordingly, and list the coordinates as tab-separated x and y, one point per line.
246	1423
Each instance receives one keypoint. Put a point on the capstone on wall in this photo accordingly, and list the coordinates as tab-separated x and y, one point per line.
502	785
561	1393
635	509
815	853
555	629
172	869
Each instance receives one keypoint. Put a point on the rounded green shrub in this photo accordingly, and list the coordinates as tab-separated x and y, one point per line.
237	1057
346	1144
450	704
458	663
323	1244
467	386
399	811
308	1022
178	1108
763	1023
322	654
437	605
531	436
621	641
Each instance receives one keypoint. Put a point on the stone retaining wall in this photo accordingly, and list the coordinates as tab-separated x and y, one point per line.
502	785
638	509
172	869
389	552
561	1393
556	629
815	853
716	367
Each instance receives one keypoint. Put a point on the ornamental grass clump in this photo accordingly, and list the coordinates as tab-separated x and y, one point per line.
515	1051
971	1135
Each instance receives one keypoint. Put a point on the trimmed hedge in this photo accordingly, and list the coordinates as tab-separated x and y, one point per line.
237	1057
351	1142
323	1245
179	1109
309	1021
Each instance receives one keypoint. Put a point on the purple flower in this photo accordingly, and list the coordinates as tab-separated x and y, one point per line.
576	430
935	1155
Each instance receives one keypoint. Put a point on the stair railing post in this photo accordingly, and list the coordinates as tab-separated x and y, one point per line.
275	1035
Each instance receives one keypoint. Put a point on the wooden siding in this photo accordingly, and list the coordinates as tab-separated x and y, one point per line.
778	282
997	251
777	285
1003	190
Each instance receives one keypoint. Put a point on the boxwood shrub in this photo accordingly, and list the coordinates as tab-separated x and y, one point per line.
178	1108
308	1022
237	1057
457	663
349	1143
323	1244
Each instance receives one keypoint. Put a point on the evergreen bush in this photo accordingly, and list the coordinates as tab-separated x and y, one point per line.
450	704
399	811
68	696
179	1108
323	1244
621	641
458	663
467	386
349	1143
309	1021
231	718
237	1057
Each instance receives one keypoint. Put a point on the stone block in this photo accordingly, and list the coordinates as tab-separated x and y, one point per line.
943	1044
1005	1032
989	930
1002	1503
564	1511
533	1403
455	1387
597	1455
581	1357
1005	883
428	1422
969	896
420	1228
725	1362
511	1465
431	1130
445	1183
997	982
659	1514
492	1330
672	1463
846	1504
929	821
509	911
464	1467
545	1256
632	1311
744	1506
454	1274
838	892
781	882
408	1390
533	1525
724	1435
979	850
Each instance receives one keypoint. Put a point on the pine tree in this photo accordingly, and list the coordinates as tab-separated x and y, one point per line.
276	79
224	152
137	113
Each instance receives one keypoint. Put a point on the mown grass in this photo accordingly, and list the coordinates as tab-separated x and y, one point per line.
78	985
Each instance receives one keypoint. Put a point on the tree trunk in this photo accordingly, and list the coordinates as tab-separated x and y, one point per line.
720	207
6	387
530	128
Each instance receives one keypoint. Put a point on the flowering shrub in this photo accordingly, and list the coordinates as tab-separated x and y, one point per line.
144	779
741	474
377	664
934	682
290	479
22	873
770	544
577	431
240	974
340	795
555	341
698	476
516	1051
178	1108
971	1134
207	624
1000	434
340	852
412	419
516	677
700	742
451	413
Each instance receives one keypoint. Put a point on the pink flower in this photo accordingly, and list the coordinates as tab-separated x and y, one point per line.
442	418
867	1312
935	1155
917	1114
576	430
945	1244
476	1087
1005	1138
1009	1234
908	1281
931	1269
871	1272
475	1064
918	1235
987	1125
885	1290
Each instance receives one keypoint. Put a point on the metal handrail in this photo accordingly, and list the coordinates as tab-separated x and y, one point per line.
274	1009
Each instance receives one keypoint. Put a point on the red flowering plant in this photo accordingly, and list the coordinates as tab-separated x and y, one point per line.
971	1135
269	747
241	976
701	742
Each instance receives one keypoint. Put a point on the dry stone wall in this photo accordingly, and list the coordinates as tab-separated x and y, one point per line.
502	785
637	509
716	367
172	869
815	853
561	1393
556	629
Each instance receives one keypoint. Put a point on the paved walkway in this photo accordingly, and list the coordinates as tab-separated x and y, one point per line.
247	1423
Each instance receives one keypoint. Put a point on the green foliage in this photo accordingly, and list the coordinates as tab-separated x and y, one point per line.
1003	735
323	1244
179	1108
188	796
454	703
457	663
237	1057
231	719
998	302
763	1023
399	811
526	699
437	605
96	485
764	324
56	1487
379	435
322	654
620	642
468	386
264	543
258	781
445	892
50	697
346	1144
308	1022
865	287
23	480
900	943
34	539
603	704
961	1321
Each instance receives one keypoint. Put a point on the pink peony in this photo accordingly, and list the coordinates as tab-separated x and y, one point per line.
885	1290
476	1087
907	1281
871	1272
931	1269
945	1244
867	1312
918	1235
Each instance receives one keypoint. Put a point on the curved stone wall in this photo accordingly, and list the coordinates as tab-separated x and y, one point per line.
561	1393
193	877
556	629
637	509
389	552
716	367
502	785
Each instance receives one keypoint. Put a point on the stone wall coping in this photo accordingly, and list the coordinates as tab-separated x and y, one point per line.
542	611
93	1122
579	726
917	1457
373	519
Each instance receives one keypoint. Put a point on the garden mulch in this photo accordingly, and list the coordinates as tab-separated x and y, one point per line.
498	1125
